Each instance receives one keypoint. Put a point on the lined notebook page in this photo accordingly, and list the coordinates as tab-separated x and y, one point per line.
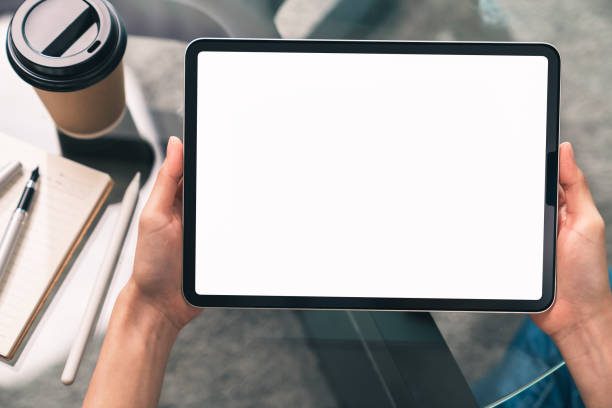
68	195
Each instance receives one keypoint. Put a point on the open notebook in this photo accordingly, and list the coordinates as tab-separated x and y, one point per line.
68	197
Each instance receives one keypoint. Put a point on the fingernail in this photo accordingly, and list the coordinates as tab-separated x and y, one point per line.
570	151
569	148
171	141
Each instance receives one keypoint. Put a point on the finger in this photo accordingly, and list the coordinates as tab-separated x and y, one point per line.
561	202
168	178
562	213
179	192
578	199
178	198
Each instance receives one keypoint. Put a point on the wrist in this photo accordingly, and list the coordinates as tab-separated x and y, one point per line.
587	351
144	318
137	345
588	338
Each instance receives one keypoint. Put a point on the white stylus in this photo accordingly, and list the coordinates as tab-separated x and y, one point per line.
8	171
104	276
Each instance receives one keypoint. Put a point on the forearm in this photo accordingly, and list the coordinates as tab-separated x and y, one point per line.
587	351
133	358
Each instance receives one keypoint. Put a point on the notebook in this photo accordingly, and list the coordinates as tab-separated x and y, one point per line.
68	197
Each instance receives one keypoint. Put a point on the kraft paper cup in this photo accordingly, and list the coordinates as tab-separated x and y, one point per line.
71	52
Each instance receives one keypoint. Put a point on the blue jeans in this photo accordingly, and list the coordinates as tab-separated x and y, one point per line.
529	355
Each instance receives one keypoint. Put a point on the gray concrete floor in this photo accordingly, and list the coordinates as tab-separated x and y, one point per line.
234	348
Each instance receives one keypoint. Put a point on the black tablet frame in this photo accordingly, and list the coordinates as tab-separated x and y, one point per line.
374	47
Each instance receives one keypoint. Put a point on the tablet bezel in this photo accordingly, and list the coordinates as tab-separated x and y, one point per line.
373	47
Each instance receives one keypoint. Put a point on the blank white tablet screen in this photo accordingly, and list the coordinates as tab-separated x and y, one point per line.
370	175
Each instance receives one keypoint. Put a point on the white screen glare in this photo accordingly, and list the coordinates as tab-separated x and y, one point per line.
370	175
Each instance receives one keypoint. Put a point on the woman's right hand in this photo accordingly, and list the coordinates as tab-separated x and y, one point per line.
583	287
580	320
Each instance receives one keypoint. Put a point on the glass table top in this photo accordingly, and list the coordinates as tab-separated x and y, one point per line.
492	351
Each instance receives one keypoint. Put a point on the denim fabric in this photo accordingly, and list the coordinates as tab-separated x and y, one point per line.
529	355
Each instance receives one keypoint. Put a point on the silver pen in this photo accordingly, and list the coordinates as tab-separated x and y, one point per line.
11	234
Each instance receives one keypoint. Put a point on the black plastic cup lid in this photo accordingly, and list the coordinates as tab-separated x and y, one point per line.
65	45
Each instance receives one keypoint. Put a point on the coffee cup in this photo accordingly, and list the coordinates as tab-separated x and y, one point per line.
71	52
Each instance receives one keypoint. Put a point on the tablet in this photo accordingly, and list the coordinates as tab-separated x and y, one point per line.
370	175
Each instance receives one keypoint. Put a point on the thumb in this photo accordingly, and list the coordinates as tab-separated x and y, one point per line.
168	178
578	197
